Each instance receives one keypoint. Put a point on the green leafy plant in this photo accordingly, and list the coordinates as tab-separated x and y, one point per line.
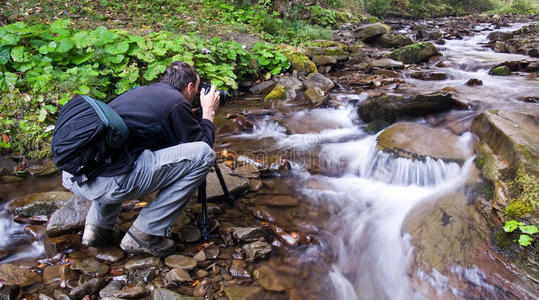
525	238
269	59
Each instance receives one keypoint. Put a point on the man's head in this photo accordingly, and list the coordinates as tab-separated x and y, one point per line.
184	78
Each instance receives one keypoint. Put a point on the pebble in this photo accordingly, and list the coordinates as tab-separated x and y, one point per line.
130	293
90	265
246	234
181	261
200	256
202	273
256	250
110	254
111	288
90	287
271	280
143	263
178	275
15	275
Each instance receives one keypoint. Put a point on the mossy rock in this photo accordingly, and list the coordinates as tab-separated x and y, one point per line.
394	40
278	93
500	71
38	203
415	53
298	61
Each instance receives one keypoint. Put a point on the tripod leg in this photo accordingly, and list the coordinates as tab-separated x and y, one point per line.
229	197
204	225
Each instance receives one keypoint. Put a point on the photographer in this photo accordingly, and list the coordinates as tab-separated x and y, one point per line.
169	150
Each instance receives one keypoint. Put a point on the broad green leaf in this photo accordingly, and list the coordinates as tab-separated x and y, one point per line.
4	54
525	240
119	48
60	27
4	144
64	45
17	54
50	108
79	59
103	35
511	225
65	97
48	69
48	48
154	70
122	85
82	39
83	89
528	229
38	43
10	79
10	39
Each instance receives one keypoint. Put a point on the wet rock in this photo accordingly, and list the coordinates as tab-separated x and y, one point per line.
111	288
202	288
90	265
247	171
413	140
429	76
255	185
201	273
43	168
324	60
370	32
109	254
15	275
376	126
500	71
529	99
178	275
500	47
180	261
318	80
9	292
299	62
288	239
130	293
247	234
38	203
415	53
272	280
532	67
316	96
392	108
91	287
386	73
243	292
69	218
243	124
386	63
256	250
427	35
187	233
235	185
500	36
200	256
391	40
60	295
278	200
51	274
10	179
165	294
263	88
211	251
474	82
143	263
61	243
264	213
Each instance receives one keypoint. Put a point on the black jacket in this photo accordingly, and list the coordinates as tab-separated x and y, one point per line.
158	116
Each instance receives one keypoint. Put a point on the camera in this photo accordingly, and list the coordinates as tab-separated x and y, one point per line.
224	96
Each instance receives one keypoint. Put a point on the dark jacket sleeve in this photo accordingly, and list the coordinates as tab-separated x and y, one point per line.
186	128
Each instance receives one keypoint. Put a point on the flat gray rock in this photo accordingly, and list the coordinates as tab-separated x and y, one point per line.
233	183
70	217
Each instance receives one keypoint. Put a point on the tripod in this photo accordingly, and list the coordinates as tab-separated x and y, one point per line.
204	225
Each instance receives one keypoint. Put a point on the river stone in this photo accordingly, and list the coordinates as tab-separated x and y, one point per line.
111	288
70	217
10	179
90	265
187	233
51	274
178	275
109	254
38	203
391	40
90	287
212	208
391	108
315	96
415	53
324	60
181	261
61	243
500	47
386	63
428	35
369	32
43	168
500	36
243	292
429	76
256	250
413	140
9	292
474	82
278	200
234	184
318	80
16	275
272	280
246	234
143	263
263	88
247	171
130	293
165	294
200	256
264	213
500	71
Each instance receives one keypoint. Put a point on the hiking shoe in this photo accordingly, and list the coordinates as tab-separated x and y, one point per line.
95	236
138	242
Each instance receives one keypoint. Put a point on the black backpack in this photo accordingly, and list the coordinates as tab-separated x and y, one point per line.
87	136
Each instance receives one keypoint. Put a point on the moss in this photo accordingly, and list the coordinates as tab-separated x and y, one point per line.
503	239
415	53
525	196
299	61
500	71
278	93
518	209
376	126
480	161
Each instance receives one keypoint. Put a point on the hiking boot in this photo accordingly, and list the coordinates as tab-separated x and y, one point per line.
95	236
138	242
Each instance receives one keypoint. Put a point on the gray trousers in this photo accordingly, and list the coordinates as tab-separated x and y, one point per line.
175	172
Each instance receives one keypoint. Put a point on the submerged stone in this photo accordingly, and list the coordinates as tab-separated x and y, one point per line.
38	203
16	275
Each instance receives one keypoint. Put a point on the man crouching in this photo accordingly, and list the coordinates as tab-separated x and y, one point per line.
168	150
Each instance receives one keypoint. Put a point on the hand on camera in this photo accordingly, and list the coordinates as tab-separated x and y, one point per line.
209	103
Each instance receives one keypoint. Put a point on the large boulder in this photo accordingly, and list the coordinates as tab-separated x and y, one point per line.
299	62
392	108
415	53
413	140
392	40
370	32
70	217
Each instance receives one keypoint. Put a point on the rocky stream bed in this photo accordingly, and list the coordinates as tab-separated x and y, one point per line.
354	176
